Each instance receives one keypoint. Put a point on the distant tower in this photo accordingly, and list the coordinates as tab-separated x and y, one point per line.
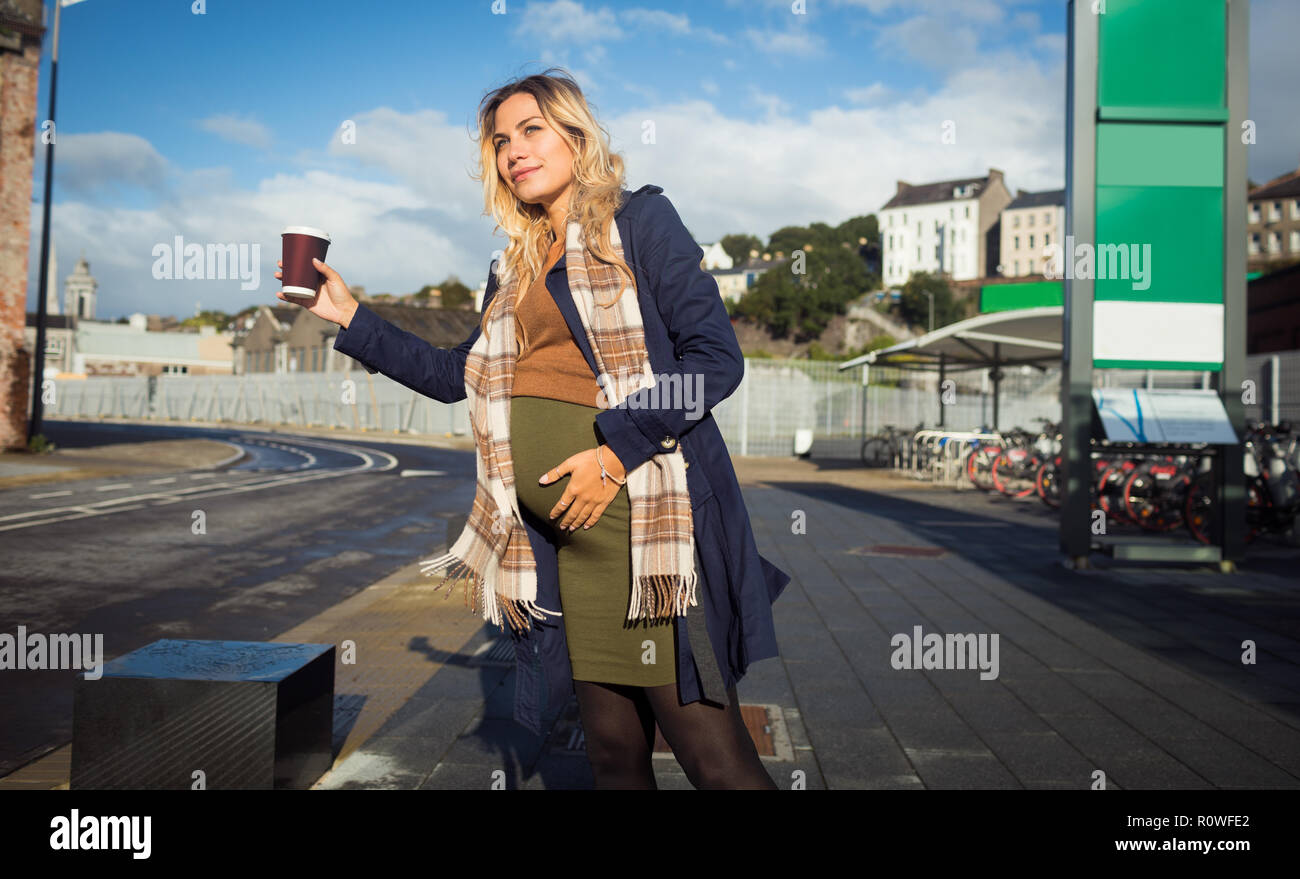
79	292
52	282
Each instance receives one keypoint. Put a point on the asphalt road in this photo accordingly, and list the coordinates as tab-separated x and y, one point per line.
297	525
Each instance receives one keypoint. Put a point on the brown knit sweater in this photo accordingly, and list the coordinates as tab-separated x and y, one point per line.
552	366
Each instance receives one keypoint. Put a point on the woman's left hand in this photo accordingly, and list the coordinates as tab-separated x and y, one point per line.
584	498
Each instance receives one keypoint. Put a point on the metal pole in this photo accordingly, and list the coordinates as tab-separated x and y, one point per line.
1074	535
943	369
1275	389
1231	476
744	411
997	380
865	367
38	357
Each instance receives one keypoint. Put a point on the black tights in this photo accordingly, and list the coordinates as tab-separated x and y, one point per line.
709	741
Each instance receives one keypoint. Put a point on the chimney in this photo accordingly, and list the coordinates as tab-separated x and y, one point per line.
901	186
994	174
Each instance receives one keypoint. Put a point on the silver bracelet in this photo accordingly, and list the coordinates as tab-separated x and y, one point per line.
604	472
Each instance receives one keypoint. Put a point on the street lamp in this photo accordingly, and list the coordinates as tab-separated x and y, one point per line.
38	366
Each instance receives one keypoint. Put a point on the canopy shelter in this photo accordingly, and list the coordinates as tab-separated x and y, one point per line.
1023	336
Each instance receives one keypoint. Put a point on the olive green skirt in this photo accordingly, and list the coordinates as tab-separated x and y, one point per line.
595	564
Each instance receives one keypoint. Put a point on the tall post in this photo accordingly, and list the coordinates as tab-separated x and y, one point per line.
1230	472
943	365
1080	224
38	356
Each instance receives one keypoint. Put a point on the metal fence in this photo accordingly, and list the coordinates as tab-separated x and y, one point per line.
776	400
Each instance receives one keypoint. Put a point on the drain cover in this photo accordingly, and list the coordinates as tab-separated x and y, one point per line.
900	551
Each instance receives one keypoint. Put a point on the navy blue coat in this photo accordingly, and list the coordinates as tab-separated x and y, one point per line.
687	331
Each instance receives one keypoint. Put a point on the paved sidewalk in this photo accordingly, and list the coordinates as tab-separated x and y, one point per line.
1129	671
1134	671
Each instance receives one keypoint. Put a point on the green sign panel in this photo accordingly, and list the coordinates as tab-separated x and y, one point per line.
1031	294
1158	256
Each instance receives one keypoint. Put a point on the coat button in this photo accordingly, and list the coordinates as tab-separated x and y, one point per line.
668	442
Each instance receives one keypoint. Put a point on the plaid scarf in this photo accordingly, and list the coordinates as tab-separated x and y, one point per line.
493	557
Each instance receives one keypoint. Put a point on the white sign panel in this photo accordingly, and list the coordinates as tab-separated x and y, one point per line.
1138	415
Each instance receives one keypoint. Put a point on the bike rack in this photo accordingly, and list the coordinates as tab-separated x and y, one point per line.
948	449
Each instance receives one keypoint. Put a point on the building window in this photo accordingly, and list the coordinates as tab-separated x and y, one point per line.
1015	221
1047	239
1274	242
1295	208
1031	219
1016	271
1031	267
1295	240
1031	247
904	218
1275	212
968	212
891	239
918	228
1047	218
1015	245
1253	244
1254	212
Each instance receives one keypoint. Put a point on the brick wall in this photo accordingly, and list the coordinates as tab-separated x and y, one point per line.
19	76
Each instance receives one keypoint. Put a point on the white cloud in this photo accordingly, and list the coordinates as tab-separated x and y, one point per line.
659	21
564	21
107	160
871	94
785	42
248	132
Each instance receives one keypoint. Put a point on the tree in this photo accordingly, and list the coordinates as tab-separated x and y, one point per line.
798	298
739	246
218	319
454	293
915	304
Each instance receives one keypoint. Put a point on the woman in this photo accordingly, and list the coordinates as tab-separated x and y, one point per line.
623	572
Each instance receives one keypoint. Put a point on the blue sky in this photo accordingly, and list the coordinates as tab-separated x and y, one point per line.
224	127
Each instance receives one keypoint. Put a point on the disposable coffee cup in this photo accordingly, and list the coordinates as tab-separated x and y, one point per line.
298	244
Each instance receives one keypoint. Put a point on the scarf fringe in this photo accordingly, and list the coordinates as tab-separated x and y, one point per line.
489	603
662	596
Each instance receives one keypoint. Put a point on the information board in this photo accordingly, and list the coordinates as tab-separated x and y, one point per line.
1140	415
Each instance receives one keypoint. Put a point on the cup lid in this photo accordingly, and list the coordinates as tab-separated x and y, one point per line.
306	230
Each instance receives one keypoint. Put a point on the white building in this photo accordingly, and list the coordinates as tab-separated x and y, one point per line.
949	227
1030	224
714	257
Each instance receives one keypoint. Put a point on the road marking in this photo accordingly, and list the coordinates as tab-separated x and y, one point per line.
49	494
163	481
114	487
102	508
423	473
